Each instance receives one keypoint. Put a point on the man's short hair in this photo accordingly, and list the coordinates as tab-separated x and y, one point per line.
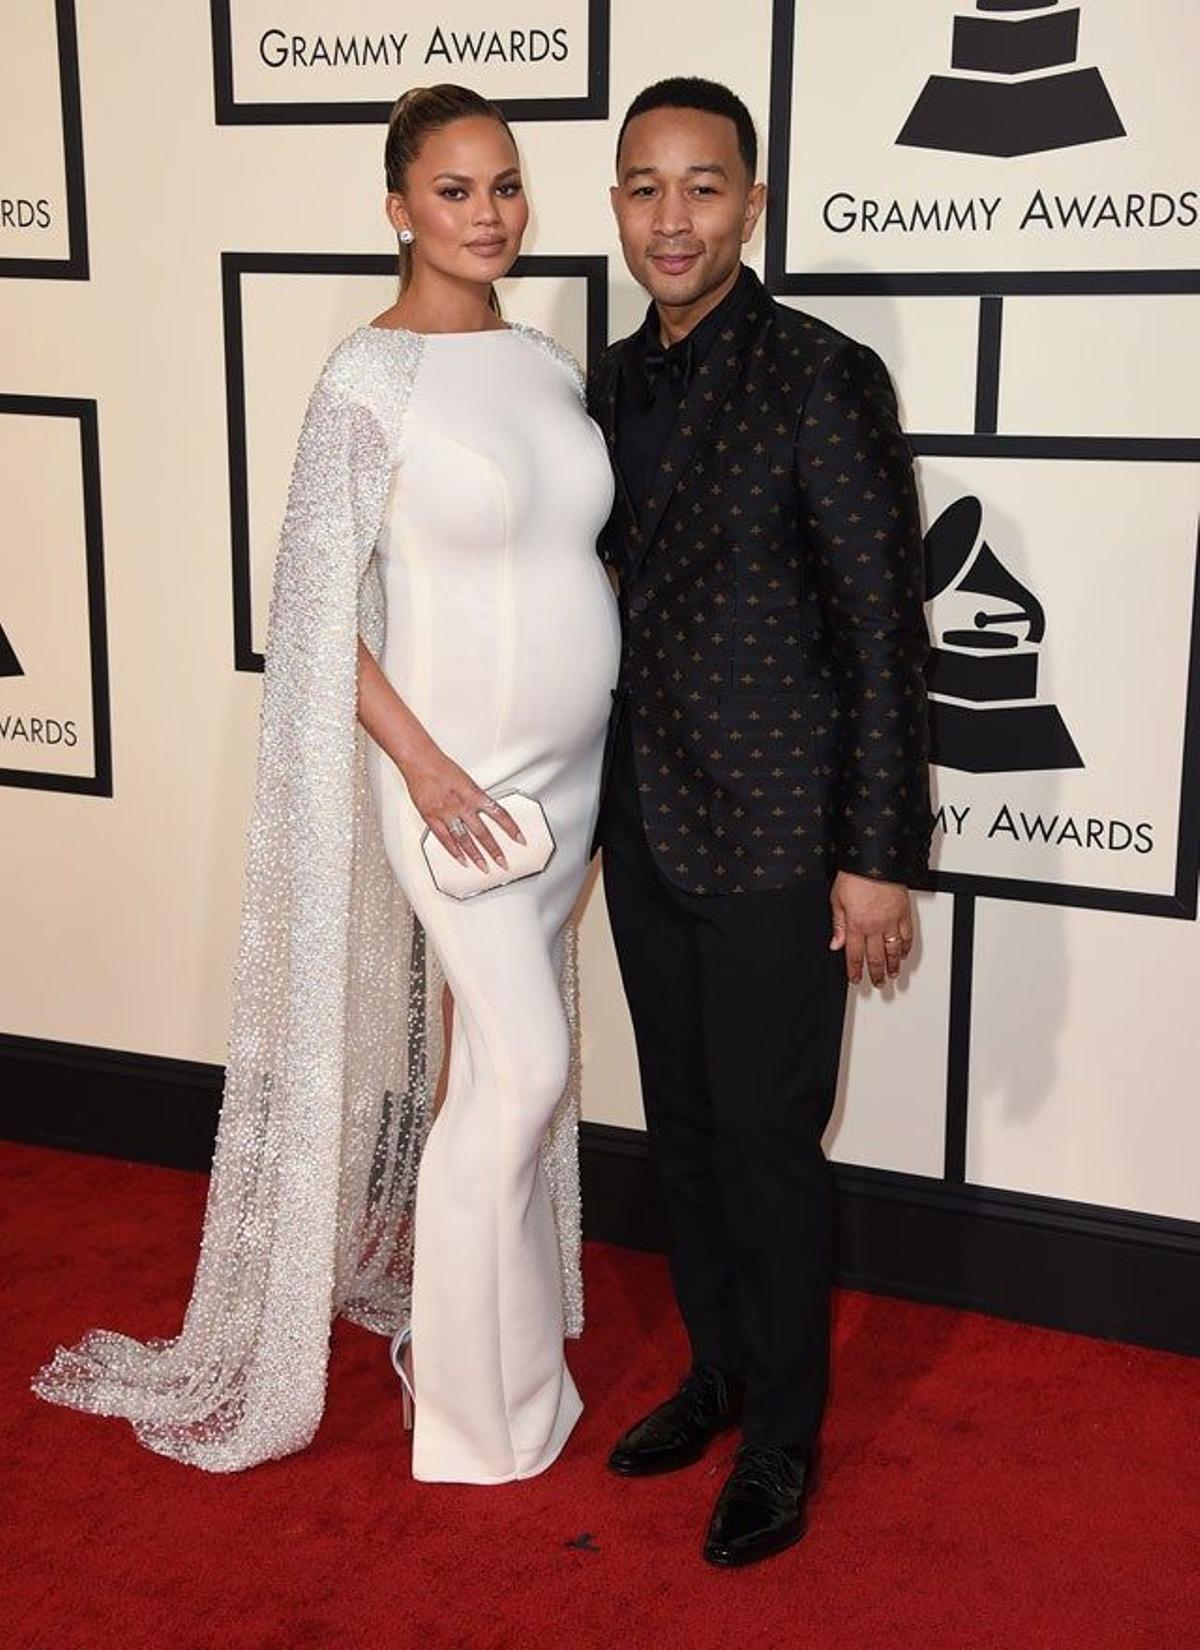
692	92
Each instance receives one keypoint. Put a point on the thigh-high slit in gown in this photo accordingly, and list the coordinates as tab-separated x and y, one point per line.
502	638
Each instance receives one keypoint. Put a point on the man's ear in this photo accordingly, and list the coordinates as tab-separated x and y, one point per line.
613	196
755	202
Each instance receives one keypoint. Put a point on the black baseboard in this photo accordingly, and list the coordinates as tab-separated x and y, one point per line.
142	1107
1092	1270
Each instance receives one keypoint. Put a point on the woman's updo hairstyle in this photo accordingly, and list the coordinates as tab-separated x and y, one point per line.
421	110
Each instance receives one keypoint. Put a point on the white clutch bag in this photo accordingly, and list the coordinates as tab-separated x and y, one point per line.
528	859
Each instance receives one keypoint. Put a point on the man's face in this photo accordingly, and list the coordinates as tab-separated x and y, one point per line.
684	203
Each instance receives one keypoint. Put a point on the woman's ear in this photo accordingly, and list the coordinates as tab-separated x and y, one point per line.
396	215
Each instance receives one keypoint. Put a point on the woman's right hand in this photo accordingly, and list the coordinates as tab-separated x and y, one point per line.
456	810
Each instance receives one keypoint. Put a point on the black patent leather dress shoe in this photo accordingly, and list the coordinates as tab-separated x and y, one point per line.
761	1509
678	1432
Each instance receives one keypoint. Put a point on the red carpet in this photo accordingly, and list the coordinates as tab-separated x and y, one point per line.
984	1484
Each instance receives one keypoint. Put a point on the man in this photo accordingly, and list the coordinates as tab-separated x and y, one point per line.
766	797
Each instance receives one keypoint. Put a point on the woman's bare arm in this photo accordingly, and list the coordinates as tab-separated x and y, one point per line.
387	718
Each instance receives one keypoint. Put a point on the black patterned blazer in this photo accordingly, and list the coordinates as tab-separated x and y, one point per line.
772	608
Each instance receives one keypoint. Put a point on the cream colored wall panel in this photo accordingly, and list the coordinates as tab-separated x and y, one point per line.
1083	1057
33	183
1049	777
46	660
127	907
927	344
1112	366
611	1090
557	304
931	173
891	1106
360	53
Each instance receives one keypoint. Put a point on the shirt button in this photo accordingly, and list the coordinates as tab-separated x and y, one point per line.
639	604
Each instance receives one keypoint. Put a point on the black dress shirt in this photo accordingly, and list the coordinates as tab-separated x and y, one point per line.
654	381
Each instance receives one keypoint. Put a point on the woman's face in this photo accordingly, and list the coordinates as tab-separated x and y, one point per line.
464	201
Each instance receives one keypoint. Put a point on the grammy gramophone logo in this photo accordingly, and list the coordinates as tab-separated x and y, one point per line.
10	665
1014	88
984	712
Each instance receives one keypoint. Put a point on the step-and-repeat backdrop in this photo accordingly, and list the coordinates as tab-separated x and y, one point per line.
1000	197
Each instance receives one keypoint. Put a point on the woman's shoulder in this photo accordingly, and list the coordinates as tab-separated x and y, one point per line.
374	368
556	352
367	357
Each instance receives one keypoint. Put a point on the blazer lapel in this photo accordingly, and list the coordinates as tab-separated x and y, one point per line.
707	393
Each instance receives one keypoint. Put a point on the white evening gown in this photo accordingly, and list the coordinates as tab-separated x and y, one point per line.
465	469
502	638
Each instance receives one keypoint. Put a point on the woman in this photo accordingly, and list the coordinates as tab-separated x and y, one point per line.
448	482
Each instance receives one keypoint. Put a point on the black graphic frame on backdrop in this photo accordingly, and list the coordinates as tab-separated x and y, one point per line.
591	268
74	267
1182	902
784	281
229	112
100	781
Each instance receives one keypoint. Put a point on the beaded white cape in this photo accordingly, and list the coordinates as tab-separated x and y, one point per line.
336	1040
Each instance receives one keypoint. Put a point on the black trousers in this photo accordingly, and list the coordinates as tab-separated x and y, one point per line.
737	1007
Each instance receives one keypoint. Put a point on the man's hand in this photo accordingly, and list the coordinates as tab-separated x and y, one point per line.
872	921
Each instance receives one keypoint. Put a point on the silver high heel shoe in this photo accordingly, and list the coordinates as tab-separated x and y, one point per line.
401	1350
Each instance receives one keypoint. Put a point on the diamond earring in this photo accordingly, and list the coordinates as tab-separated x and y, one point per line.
407	237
